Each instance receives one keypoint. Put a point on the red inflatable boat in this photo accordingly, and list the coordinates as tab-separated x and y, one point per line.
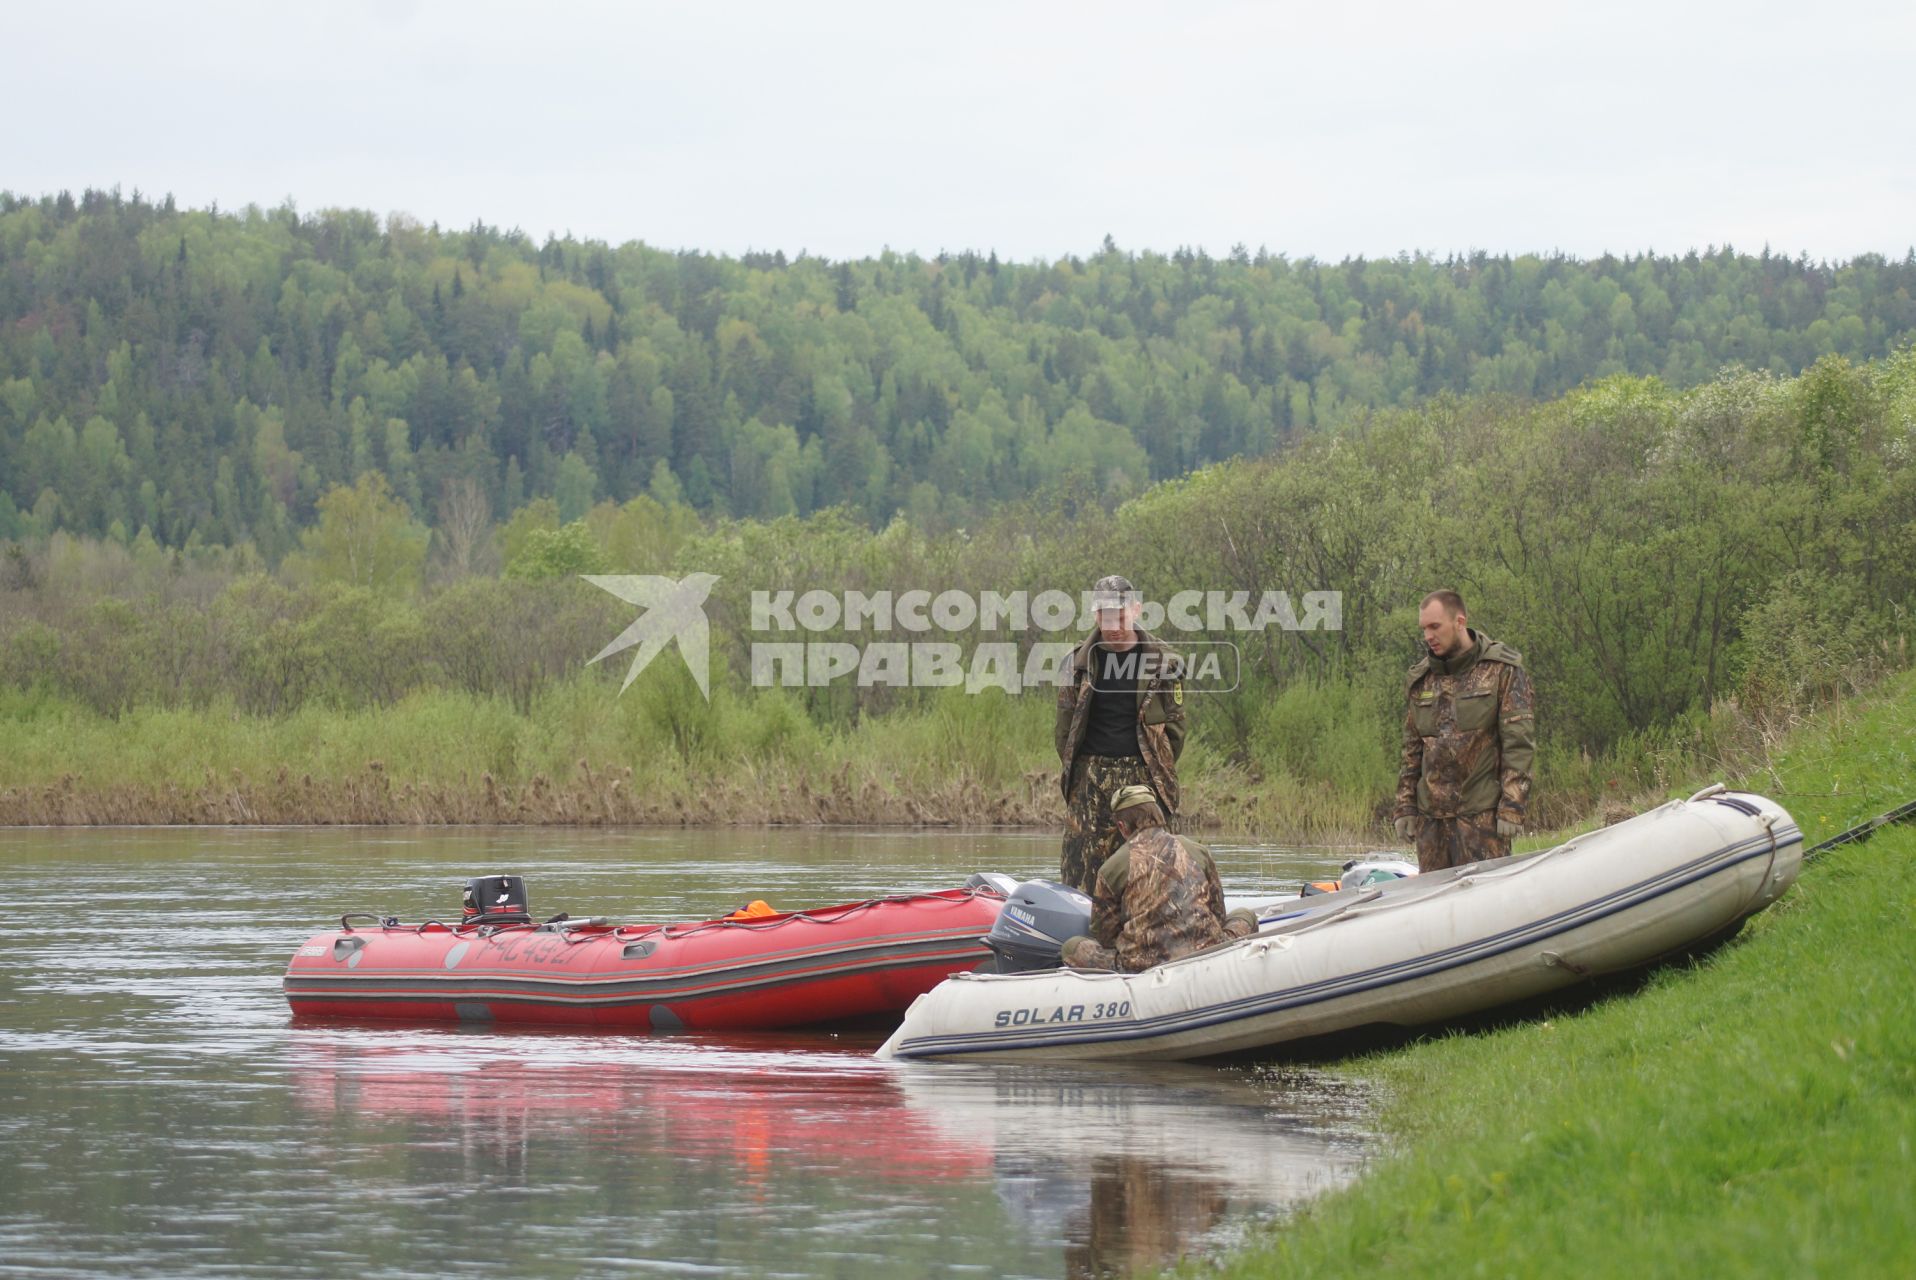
781	969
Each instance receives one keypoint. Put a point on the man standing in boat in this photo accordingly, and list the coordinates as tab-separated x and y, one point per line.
1157	898
1468	742
1120	723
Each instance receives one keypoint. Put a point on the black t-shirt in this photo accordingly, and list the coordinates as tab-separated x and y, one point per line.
1112	728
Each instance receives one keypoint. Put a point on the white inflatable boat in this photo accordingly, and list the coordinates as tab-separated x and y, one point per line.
1406	952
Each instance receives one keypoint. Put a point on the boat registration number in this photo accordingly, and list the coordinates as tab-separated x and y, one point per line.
1064	1013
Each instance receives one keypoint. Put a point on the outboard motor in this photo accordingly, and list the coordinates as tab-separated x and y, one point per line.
497	900
1033	925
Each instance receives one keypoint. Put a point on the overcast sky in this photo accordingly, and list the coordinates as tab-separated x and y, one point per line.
1032	129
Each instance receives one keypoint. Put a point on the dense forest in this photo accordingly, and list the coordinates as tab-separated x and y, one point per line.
209	376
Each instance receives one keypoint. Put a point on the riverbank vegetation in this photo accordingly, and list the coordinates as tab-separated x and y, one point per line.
1749	1114
1688	573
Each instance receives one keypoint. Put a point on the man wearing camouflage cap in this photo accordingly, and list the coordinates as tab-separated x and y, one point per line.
1120	723
1157	898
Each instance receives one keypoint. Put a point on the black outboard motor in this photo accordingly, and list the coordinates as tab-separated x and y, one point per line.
497	900
1033	925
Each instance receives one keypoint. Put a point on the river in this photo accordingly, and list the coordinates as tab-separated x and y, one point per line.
161	1115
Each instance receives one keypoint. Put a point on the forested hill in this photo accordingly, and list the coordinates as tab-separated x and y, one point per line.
213	374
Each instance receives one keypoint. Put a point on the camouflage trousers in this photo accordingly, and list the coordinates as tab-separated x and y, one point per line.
1090	832
1452	842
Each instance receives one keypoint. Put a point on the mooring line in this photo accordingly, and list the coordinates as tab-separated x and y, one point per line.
1864	831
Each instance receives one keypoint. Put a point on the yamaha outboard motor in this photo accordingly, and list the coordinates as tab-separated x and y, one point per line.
497	900
1034	923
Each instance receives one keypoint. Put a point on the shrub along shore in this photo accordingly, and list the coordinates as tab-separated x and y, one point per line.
1687	573
577	756
1748	1114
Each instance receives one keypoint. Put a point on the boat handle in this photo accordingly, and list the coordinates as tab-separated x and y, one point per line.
1555	961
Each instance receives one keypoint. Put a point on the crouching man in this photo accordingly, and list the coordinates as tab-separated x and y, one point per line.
1156	898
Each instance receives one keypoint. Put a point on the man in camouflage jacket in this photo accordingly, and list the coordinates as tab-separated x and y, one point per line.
1468	742
1157	898
1120	723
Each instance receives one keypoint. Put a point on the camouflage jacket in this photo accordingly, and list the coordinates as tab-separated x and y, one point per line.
1468	735
1160	713
1157	898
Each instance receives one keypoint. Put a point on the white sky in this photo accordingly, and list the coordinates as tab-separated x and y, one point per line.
1032	129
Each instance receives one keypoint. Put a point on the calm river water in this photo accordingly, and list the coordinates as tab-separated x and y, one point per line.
160	1115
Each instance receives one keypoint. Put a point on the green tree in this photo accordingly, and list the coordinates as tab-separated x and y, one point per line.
365	538
564	552
664	487
575	486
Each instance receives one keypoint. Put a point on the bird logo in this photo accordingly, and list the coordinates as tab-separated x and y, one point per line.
673	611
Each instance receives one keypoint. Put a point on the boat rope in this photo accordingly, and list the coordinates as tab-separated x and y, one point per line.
1863	831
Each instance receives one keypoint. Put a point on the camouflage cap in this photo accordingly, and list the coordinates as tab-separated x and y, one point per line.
1113	591
1131	797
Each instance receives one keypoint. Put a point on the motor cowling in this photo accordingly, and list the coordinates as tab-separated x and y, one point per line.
497	900
1033	925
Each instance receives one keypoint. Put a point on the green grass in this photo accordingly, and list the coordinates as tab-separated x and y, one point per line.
751	757
1752	1114
1306	764
427	758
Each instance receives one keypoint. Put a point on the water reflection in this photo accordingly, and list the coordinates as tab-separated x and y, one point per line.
820	1110
1106	1171
1132	1167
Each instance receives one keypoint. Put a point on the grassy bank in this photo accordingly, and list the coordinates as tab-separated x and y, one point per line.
1320	771
1752	1114
577	756
662	755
